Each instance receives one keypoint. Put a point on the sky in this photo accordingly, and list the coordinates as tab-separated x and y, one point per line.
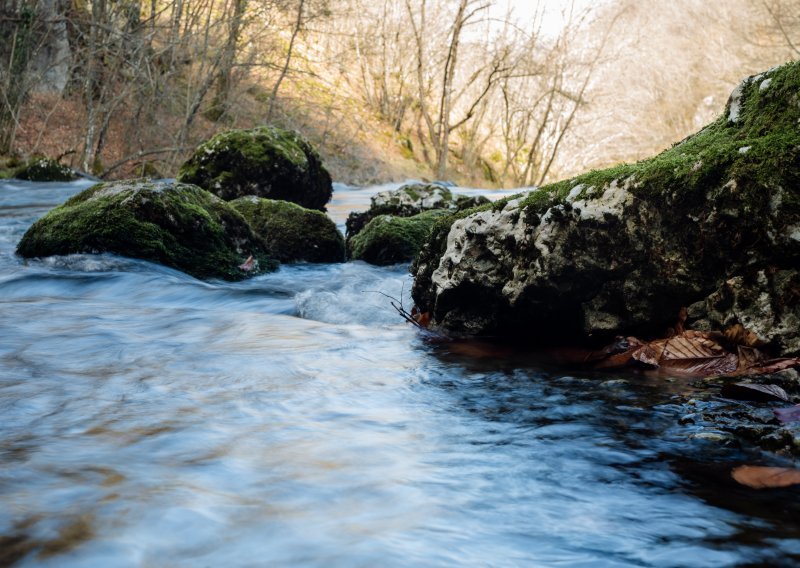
553	13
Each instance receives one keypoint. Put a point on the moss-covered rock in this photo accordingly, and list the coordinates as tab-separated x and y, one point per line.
408	200
292	233
8	165
266	162
388	239
620	251
44	169
175	224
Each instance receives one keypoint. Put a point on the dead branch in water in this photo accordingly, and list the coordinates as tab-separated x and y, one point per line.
418	320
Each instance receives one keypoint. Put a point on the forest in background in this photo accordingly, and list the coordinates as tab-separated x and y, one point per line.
481	92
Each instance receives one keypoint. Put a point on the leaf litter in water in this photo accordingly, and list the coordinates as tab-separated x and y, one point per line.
761	477
754	392
695	353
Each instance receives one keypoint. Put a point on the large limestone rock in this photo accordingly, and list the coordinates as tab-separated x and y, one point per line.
292	233
620	251
266	162
175	224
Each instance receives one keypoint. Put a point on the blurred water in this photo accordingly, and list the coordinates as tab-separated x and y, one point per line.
151	419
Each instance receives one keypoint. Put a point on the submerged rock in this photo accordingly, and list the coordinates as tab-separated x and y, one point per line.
175	224
292	233
748	420
620	251
408	200
44	169
388	239
266	162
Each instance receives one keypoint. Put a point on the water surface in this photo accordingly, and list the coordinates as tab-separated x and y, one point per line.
151	419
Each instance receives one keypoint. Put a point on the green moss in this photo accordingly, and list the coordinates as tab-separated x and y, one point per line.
389	240
266	162
292	233
8	164
177	225
44	169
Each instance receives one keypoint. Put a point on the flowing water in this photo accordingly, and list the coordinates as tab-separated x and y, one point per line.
151	419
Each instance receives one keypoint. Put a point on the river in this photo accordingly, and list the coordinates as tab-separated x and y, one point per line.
151	419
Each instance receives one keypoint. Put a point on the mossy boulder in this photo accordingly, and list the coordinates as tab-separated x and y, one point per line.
388	239
292	233
408	200
620	251
266	162
44	169
175	224
8	165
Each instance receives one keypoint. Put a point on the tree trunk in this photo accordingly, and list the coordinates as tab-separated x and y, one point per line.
298	25
220	104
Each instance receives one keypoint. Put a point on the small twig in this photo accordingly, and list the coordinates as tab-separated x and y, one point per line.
430	335
400	309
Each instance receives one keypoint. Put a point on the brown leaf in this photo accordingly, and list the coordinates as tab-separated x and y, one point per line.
423	319
616	360
692	345
777	365
738	335
703	366
615	355
748	357
760	477
650	353
754	392
695	353
785	415
248	265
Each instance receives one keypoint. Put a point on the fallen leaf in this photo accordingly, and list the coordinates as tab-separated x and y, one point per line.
692	345
754	392
422	318
737	334
614	355
248	265
790	414
777	365
650	353
760	477
748	357
695	353
703	366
